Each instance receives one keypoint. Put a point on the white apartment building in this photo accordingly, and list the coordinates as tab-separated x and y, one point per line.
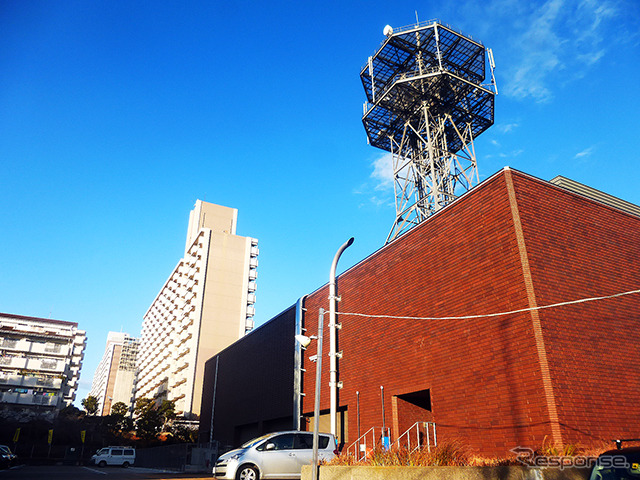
40	361
206	304
115	376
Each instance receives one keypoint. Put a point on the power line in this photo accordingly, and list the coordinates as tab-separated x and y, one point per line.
466	317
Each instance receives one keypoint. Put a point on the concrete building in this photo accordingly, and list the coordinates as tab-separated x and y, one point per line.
509	318
206	304
40	361
115	376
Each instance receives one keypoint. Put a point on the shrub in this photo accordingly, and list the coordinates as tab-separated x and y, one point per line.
446	454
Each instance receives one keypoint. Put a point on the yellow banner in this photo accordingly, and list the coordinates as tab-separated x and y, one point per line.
83	433
50	436
16	435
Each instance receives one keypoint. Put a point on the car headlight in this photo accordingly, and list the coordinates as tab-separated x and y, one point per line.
235	456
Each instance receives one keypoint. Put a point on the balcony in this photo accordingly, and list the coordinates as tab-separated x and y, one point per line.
30	381
13	362
248	324
179	367
29	399
183	351
178	383
27	346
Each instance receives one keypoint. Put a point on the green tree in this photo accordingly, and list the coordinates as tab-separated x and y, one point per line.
90	404
168	412
143	405
184	434
71	412
151	418
119	420
149	424
119	409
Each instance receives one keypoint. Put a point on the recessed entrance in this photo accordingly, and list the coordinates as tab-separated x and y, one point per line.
409	408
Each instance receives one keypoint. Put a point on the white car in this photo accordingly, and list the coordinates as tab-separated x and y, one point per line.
276	455
122	456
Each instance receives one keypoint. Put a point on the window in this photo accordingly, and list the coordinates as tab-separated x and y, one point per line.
304	441
49	364
115	452
52	348
129	452
9	342
280	442
323	441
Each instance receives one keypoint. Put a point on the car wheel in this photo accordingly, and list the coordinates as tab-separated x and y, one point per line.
102	464
125	465
247	472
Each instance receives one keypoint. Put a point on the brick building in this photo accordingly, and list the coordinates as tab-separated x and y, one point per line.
567	373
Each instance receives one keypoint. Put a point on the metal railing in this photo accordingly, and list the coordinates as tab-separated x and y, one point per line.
365	444
419	435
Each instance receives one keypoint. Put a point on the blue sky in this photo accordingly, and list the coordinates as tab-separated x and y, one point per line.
115	116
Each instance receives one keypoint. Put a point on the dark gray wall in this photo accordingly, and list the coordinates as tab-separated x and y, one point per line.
254	392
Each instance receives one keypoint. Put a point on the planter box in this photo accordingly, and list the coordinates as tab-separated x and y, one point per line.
446	473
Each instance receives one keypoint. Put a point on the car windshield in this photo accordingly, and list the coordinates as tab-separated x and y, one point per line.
255	441
617	465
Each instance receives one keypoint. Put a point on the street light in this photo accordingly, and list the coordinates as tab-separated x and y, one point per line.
305	341
333	355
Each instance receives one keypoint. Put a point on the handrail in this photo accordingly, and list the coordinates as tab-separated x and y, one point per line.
361	446
421	431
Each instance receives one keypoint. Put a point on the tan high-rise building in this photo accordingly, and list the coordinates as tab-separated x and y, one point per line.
206	304
115	376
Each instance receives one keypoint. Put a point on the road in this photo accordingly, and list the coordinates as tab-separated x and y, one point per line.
56	472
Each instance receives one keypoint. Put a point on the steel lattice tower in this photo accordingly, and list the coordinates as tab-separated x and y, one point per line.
425	105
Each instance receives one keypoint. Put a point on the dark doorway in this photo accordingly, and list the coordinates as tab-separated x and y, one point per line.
410	408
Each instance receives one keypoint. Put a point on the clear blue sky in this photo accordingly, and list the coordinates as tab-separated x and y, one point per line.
115	116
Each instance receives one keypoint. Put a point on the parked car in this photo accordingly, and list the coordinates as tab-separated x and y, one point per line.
619	464
276	455
122	456
7	457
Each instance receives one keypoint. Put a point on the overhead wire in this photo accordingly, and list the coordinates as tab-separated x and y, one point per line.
487	315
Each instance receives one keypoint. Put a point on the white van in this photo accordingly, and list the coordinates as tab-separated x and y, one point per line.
123	456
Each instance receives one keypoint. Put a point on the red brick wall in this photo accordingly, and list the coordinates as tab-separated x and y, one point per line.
579	249
484	374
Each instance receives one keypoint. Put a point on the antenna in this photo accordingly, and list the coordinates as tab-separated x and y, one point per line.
425	104
492	65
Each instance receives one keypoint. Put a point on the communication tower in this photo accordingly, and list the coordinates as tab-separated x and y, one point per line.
425	104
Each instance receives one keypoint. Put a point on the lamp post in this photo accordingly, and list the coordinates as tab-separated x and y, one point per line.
333	355
305	341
